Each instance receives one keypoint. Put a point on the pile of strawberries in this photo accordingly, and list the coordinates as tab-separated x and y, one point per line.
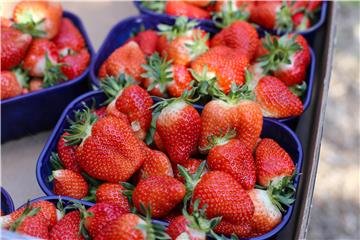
282	16
39	49
270	71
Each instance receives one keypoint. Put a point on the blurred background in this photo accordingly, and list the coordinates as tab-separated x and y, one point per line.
336	205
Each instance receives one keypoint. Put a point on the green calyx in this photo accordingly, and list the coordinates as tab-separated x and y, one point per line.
55	161
237	93
198	45
284	22
22	76
159	71
31	27
53	74
280	52
80	127
128	192
204	81
221	139
153	231
84	214
28	212
113	86
298	89
156	6
230	14
180	28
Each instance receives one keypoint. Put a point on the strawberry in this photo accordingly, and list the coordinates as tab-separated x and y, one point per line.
100	215
47	211
223	64
13	82
69	183
221	193
241	36
161	76
156	164
276	100
35	84
179	8
179	126
100	112
234	111
67	154
228	12
242	230
191	165
69	38
39	18
160	193
14	45
73	65
68	227
301	21
313	5
5	22
233	157
158	142
147	41
112	193
272	162
131	100
201	3
108	150
125	59
287	58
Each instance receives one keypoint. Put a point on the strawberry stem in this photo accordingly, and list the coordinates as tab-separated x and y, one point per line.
298	89
55	162
53	74
155	5
229	14
28	212
284	22
221	139
31	27
198	45
181	27
22	76
113	86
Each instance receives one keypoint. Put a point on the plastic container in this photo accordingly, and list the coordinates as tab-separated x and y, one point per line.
37	111
55	199
122	31
7	205
272	129
309	33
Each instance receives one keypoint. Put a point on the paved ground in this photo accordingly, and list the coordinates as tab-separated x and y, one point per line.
336	210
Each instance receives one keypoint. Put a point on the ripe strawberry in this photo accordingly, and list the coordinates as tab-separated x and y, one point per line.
179	126
67	154
272	162
156	164
313	5
112	193
158	142
222	63
13	82
147	41
68	227
241	36
5	22
108	150
221	193
233	157
126	59
39	18
242	230
100	112
191	165
161	76
276	100
227	12
287	58
201	3
47	211
233	111
178	8
69	183
160	193
100	215
131	100
301	21
75	64
35	84
14	45
69	38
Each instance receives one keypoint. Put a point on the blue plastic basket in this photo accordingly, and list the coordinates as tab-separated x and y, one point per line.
308	33
271	129
7	205
37	111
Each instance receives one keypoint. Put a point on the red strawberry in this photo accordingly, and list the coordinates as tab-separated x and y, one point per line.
147	41
201	3
69	183
36	84
179	126
126	59
276	100
112	193
68	227
5	22
242	230
67	154
227	12
100	112
156	164
161	76
191	165
14	45
313	5
241	36
39	18
158	142
69	38
162	44
287	58
131	100
100	215
301	21
108	150
178	8
222	63
161	193
13	82
272	162
75	64
233	157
